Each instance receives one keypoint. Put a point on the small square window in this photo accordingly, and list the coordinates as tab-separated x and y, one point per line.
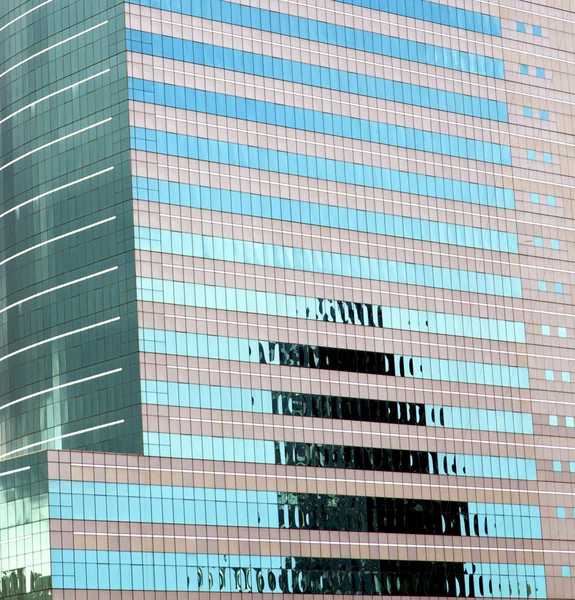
562	332
554	244
523	69
520	27
561	513
545	330
551	201
553	420
534	198
557	466
565	571
531	155
549	375
558	287
540	72
542	286
538	242
544	115
537	30
572	468
569	422
566	376
548	157
527	111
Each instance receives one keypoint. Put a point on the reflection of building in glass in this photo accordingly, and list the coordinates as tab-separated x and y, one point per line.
285	298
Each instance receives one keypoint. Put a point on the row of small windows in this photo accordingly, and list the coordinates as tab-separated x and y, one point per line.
551	375
558	466
556	287
528	112
538	242
526	70
536	199
535	29
561	331
554	421
545	156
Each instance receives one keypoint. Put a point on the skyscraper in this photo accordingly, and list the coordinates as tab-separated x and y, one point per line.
286	298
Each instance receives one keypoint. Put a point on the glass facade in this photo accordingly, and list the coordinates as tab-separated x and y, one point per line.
285	299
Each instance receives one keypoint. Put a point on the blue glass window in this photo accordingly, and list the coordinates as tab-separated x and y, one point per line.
554	244
553	420
545	330
520	27
558	288
565	376
538	242
557	466
565	571
540	72
531	155
549	375
542	286
561	513
544	115
534	198
523	69
537	30
527	111
569	422
547	157
551	201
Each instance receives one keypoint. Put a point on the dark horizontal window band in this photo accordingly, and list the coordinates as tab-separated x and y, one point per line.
303	454
379	515
310	575
352	409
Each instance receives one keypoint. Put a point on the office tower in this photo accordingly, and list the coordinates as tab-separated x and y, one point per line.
286	298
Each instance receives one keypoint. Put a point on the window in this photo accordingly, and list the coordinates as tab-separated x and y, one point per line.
545	330
520	27
561	514
557	466
523	69
537	30
553	420
569	422
549	375
551	201
538	242
544	115
558	287
542	286
534	198
531	155
565	571
527	111
540	72
548	157
566	377
562	332
554	244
